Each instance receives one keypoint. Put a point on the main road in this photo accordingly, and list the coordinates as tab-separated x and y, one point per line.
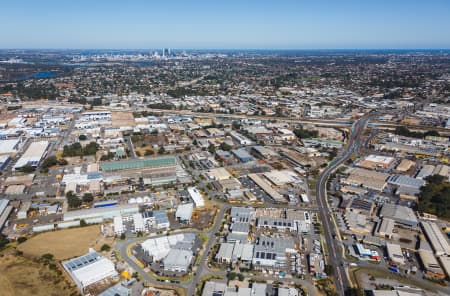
332	237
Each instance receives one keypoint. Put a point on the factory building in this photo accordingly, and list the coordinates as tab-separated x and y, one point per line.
33	155
436	238
89	269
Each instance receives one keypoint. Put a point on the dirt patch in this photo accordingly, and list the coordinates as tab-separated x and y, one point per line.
21	276
65	243
120	119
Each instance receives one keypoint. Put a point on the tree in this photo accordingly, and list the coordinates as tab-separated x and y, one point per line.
82	138
73	200
105	248
88	197
225	147
149	152
302	133
161	150
122	236
83	223
434	197
211	148
49	162
21	239
27	169
231	276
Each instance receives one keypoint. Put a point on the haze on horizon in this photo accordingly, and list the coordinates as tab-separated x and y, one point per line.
233	24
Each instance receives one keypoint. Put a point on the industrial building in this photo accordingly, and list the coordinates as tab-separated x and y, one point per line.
395	254
158	248
400	214
242	155
196	196
89	269
436	238
105	213
5	211
271	252
156	162
376	161
178	260
33	155
184	213
366	178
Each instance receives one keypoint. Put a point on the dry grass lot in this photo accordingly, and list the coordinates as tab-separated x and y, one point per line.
20	276
65	243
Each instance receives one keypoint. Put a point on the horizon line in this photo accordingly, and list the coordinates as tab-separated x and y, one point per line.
244	49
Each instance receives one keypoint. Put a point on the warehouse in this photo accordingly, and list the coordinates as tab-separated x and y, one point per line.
178	260
9	147
157	162
105	213
240	139
272	252
119	228
386	228
225	253
4	161
33	155
405	165
376	161
219	174
400	214
283	177
267	188
196	196
366	178
184	213
5	211
89	269
161	219
436	238
395	254
431	265
242	155
241	214
405	181
158	248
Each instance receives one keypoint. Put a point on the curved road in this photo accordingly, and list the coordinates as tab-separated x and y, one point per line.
335	256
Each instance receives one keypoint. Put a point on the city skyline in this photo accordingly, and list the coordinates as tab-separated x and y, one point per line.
230	25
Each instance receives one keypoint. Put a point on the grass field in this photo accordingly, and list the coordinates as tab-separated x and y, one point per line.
65	243
21	276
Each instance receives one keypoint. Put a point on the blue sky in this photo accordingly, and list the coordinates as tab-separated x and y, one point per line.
213	24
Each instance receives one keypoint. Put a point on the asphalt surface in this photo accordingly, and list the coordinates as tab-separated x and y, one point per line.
335	256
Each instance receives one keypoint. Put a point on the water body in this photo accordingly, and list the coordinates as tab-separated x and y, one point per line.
38	75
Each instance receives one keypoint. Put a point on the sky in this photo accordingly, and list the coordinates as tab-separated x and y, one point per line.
226	24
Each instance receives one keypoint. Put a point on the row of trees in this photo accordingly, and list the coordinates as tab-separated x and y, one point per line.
404	131
77	150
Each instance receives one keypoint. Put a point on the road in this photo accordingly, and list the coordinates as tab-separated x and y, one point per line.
335	256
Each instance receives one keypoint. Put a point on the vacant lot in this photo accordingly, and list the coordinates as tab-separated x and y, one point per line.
65	243
21	276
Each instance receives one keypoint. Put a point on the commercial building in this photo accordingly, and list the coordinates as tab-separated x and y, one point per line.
33	155
436	238
89	269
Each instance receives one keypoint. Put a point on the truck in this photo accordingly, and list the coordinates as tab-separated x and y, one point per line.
394	269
